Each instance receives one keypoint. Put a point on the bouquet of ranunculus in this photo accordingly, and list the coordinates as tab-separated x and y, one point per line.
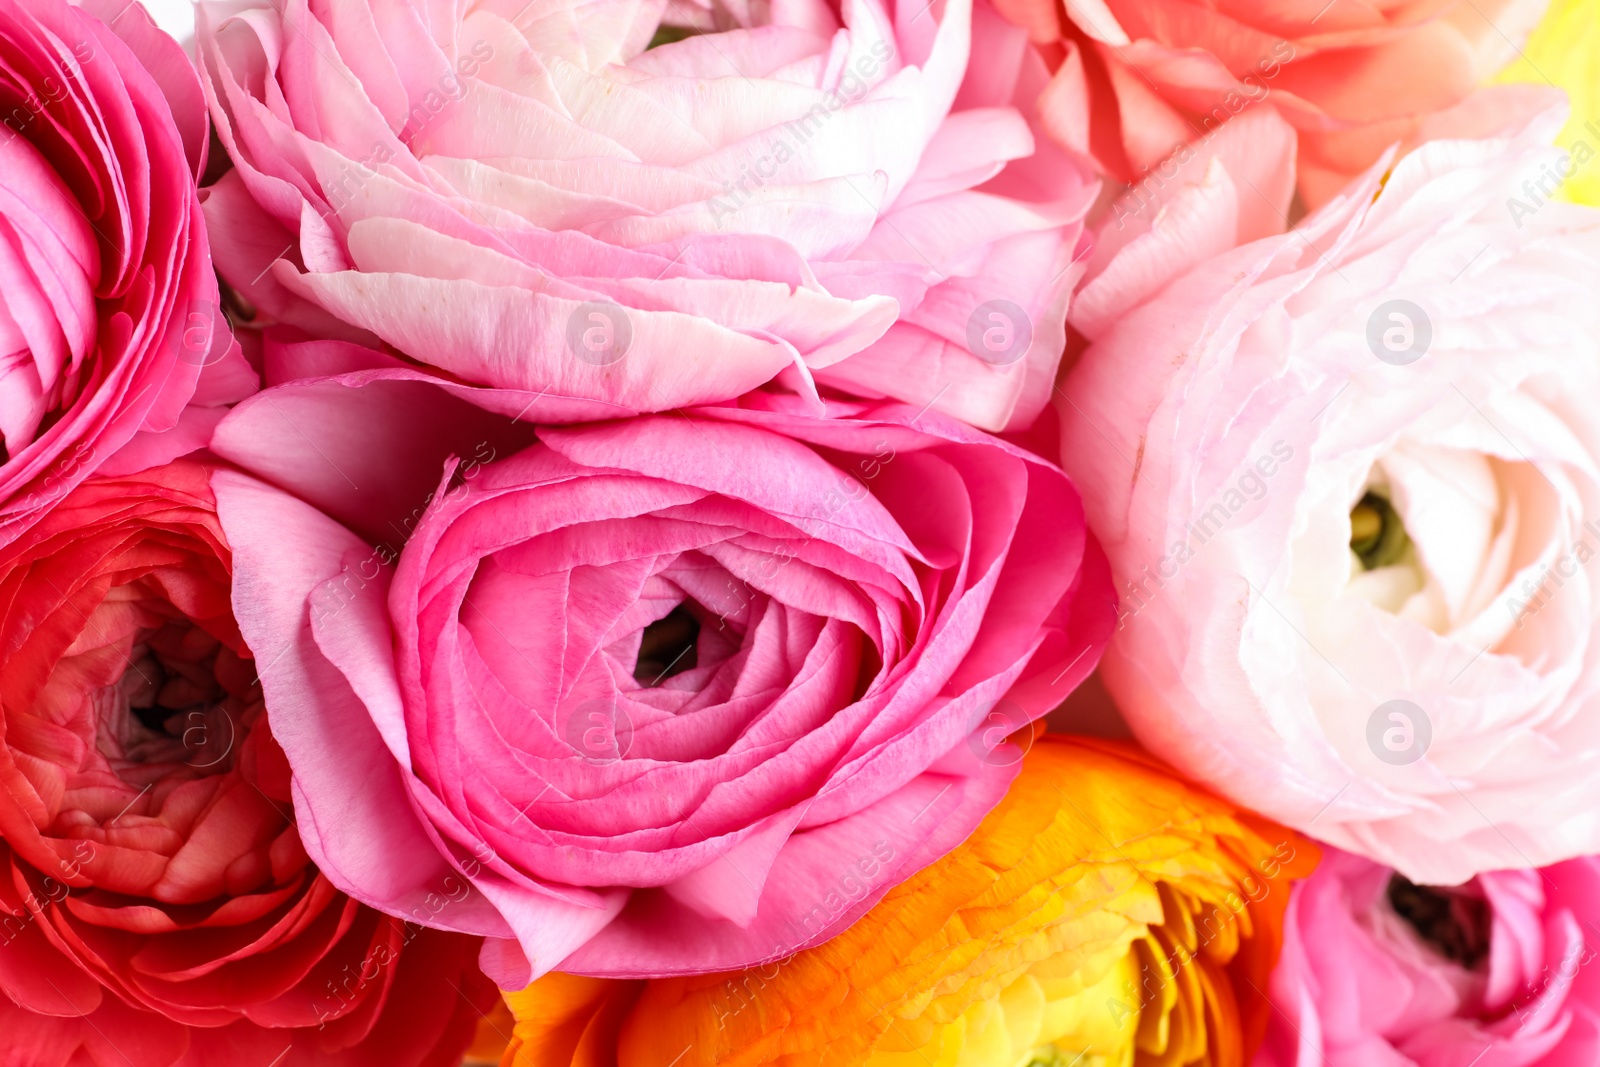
983	533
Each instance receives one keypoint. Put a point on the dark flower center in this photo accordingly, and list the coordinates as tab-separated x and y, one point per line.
667	647
180	700
1377	534
670	35
160	691
1451	923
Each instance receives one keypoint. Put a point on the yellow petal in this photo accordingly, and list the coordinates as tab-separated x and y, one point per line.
1105	914
1565	51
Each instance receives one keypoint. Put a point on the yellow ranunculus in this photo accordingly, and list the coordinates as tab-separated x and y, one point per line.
1105	914
1565	51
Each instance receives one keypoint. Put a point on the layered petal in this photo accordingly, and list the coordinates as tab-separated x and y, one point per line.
1349	498
1352	79
1103	913
757	639
1376	969
156	903
109	317
822	195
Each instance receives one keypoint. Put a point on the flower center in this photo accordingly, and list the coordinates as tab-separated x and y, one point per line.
670	35
1451	923
667	647
181	699
1377	534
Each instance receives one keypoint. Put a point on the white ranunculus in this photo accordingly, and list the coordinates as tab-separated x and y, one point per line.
1415	368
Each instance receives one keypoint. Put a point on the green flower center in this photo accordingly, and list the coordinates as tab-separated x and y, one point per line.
669	35
1377	535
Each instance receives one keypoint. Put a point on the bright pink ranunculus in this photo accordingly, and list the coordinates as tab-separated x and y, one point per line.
675	693
1379	972
525	196
1347	478
108	304
156	906
1351	77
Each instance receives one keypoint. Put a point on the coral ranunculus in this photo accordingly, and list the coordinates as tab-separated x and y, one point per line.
109	323
526	196
1501	970
156	906
1105	914
648	685
1352	78
1348	479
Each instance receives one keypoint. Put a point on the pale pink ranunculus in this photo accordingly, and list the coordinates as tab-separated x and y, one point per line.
522	195
110	330
1378	972
1348	478
1351	77
675	693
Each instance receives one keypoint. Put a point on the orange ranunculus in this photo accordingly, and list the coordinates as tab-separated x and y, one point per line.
494	1033
1105	913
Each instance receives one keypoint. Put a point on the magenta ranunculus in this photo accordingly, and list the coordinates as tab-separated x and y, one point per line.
1378	972
108	305
676	693
523	195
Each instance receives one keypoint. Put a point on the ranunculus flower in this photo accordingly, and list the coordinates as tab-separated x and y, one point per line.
156	906
1564	49
1378	970
1352	78
1347	478
1104	913
648	685
525	196
108	304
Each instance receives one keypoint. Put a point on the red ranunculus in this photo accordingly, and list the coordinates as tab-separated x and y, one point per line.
156	906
